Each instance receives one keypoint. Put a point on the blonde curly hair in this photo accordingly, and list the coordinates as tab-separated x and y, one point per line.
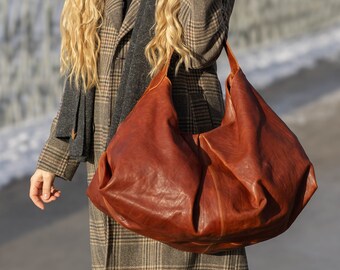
80	41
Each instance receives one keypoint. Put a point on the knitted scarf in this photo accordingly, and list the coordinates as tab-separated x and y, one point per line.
76	112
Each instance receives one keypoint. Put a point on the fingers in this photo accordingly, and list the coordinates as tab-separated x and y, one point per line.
35	187
52	195
47	184
42	189
55	192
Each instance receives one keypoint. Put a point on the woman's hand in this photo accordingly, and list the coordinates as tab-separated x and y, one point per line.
42	189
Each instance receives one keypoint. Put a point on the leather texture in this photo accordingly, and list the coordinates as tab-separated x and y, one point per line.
241	183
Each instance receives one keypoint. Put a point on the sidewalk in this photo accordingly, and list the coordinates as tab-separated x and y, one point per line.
55	238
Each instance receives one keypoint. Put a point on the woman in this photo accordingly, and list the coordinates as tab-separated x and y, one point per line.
197	29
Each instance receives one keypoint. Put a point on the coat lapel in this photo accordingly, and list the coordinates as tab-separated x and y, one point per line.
114	14
129	19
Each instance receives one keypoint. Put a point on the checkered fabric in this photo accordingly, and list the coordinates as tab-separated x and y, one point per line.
198	100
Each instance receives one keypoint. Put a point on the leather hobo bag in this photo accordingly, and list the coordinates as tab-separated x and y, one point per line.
241	183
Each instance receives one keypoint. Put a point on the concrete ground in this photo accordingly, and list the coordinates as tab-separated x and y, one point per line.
309	102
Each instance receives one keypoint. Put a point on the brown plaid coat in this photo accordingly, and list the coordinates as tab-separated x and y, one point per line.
198	99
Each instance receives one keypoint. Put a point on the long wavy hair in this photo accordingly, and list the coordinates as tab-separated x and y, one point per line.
80	24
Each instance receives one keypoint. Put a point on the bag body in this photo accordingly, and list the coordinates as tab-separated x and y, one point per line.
241	183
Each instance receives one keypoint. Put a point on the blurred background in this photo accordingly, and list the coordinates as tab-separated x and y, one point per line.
288	49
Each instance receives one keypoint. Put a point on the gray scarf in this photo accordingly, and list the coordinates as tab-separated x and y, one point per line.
76	112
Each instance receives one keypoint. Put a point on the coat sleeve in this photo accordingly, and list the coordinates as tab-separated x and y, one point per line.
54	156
206	26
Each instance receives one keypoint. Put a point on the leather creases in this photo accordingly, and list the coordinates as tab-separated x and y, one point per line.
238	184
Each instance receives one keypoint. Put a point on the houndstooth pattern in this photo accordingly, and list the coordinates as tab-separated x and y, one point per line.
197	97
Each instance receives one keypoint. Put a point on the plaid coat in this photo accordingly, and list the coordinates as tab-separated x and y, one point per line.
198	100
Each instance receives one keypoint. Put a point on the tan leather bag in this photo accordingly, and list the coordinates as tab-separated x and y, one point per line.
236	185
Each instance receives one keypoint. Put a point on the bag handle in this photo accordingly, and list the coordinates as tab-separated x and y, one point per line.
234	66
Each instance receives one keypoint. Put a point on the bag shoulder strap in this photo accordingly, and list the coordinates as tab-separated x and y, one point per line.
234	66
